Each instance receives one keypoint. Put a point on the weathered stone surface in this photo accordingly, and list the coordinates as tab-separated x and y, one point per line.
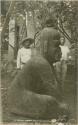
33	93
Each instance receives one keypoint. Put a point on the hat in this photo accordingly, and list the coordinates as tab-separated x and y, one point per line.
27	39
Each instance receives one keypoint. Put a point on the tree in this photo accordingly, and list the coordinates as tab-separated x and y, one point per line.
11	7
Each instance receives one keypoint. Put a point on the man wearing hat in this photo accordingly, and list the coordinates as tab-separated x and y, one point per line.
24	54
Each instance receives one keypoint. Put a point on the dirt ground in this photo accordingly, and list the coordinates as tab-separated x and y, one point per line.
70	93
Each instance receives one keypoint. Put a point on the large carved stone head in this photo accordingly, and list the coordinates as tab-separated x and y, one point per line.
49	44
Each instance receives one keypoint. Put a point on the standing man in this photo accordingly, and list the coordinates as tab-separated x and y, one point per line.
61	66
24	54
65	55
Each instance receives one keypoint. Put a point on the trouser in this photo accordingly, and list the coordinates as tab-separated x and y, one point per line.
61	70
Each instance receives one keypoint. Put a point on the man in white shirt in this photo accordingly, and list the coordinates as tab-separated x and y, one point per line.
65	55
65	50
24	54
61	67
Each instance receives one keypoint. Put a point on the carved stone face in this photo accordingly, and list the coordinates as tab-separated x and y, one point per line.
54	52
50	41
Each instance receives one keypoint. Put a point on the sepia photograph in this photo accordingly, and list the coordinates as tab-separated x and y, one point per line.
39	58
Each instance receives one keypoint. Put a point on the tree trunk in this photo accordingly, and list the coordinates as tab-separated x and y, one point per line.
7	18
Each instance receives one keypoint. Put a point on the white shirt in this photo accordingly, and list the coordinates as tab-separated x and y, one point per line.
65	51
23	56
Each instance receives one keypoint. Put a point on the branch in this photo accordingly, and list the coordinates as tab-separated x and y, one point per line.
62	30
68	37
11	46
